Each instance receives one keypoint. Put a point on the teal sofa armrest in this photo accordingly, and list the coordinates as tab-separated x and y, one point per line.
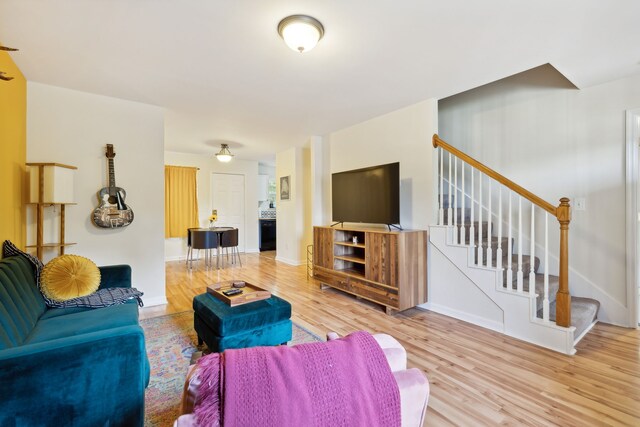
66	381
115	276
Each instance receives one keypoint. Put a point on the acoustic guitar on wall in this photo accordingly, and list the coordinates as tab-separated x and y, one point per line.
112	212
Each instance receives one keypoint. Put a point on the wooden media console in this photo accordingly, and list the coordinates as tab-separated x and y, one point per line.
386	267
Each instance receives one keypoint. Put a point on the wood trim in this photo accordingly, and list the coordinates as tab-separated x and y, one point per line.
40	213
52	245
60	165
62	229
437	142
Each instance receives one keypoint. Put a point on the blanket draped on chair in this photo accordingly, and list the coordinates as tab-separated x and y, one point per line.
344	382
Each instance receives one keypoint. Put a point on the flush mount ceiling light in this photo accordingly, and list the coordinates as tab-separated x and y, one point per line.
224	155
300	32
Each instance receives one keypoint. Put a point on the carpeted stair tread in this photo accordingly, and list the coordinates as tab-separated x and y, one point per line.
584	312
554	283
494	248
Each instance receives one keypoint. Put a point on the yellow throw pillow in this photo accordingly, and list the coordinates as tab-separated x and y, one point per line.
69	276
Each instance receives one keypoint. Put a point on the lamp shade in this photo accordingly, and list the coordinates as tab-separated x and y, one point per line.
58	183
300	32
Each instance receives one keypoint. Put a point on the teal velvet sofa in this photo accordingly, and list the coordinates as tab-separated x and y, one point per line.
68	366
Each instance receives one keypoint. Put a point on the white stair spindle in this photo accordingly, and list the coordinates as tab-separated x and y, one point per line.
472	228
532	251
499	250
463	226
519	274
456	238
480	249
489	218
510	248
441	212
545	302
449	220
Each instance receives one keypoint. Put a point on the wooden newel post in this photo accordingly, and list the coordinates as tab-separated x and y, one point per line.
563	298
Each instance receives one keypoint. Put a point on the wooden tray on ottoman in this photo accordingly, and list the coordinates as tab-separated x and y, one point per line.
250	293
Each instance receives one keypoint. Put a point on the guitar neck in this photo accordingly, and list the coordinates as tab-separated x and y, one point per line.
112	175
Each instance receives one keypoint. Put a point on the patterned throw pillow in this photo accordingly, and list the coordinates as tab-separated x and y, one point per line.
102	298
69	276
9	249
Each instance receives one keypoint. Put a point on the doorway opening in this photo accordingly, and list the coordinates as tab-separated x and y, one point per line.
633	214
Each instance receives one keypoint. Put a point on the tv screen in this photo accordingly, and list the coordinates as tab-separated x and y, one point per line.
370	195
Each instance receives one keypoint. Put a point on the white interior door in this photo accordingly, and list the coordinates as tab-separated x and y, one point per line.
227	196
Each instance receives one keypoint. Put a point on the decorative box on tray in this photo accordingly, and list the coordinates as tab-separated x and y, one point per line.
250	293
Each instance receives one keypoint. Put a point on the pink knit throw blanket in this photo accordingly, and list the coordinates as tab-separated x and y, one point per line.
344	382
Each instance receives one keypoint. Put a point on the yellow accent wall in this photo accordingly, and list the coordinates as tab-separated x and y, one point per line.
13	152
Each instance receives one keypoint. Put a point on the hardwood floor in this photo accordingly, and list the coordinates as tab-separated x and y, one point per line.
477	376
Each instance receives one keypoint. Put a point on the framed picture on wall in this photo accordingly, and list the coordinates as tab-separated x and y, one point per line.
285	188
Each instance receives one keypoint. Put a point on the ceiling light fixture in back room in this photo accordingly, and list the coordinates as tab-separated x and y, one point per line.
300	32
224	155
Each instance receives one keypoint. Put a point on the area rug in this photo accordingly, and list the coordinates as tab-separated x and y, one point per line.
170	342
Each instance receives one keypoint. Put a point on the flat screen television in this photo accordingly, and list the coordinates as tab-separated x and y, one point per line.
370	195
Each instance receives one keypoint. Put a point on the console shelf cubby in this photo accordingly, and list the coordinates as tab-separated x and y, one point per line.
386	267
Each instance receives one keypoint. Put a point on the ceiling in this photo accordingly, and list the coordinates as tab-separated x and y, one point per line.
224	75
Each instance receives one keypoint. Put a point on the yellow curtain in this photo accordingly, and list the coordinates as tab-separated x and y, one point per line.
180	200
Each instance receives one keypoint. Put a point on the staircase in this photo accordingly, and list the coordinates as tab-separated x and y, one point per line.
491	229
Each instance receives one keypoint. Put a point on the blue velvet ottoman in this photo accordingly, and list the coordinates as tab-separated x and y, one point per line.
258	323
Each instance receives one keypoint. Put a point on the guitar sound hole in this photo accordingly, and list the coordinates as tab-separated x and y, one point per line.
113	200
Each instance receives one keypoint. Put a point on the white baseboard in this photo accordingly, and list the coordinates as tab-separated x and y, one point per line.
150	302
291	261
461	315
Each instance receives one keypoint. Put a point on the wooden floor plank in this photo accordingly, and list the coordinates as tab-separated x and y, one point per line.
477	376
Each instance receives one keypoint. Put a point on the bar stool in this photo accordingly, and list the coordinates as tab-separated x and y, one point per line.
203	239
230	240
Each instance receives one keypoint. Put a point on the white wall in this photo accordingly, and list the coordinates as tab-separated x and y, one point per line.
72	127
539	131
320	181
401	136
176	248
453	294
294	230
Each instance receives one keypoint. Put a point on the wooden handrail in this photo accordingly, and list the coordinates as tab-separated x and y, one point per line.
437	142
562	213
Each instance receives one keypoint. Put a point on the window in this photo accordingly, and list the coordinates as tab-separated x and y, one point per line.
180	200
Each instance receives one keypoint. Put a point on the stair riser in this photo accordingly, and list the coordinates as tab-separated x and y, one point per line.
476	231
525	268
494	249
